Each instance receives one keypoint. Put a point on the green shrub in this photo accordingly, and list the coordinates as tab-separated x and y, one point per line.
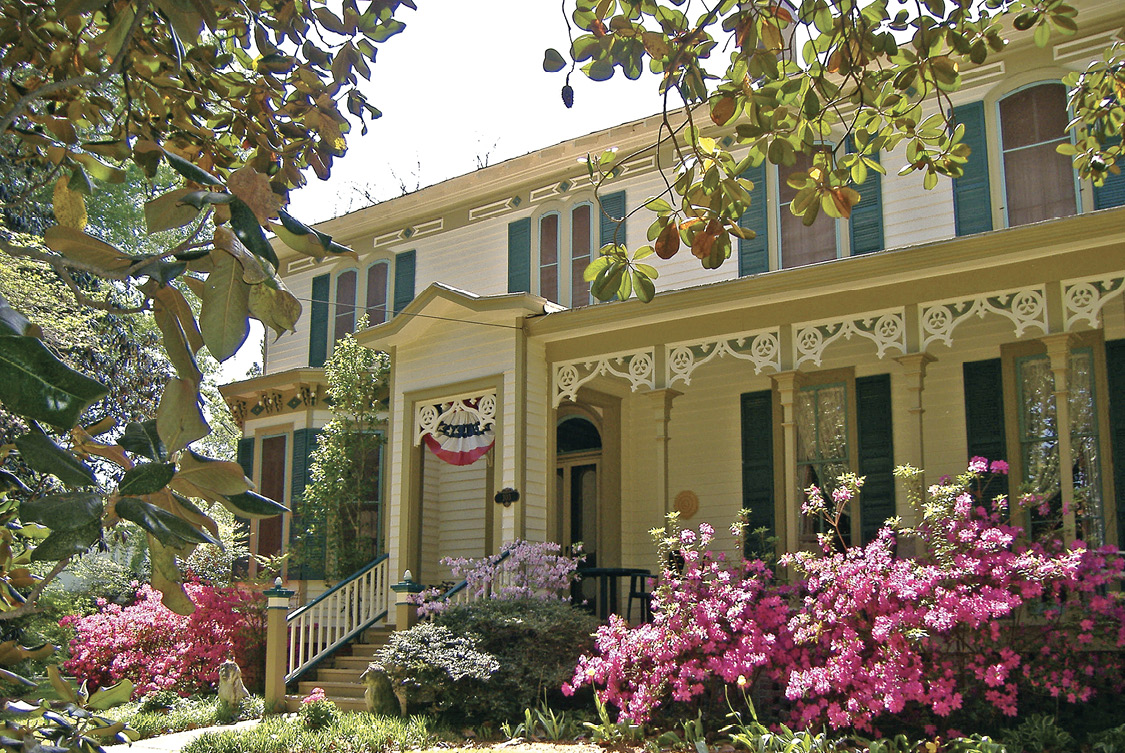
317	714
159	700
1039	734
536	644
349	733
435	668
1109	741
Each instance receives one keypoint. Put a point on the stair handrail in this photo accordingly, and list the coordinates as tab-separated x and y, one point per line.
451	595
316	629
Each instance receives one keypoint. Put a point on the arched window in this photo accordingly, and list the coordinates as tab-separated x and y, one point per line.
344	316
1039	183
378	278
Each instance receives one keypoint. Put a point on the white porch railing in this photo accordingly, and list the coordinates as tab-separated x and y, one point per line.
462	594
337	616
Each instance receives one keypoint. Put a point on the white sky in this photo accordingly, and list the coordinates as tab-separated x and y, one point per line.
463	80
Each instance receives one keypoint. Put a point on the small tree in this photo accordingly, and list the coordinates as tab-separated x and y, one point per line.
346	479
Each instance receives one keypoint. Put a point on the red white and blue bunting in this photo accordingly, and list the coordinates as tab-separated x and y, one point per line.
459	431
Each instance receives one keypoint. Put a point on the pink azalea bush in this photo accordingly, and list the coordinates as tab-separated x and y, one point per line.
530	570
158	649
984	618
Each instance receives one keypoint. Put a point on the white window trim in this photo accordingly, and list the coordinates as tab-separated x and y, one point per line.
565	239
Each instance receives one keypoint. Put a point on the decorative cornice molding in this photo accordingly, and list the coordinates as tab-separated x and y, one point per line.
1084	298
887	329
1024	307
760	347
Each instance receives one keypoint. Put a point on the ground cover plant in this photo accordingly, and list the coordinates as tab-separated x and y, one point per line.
986	622
348	733
159	649
163	712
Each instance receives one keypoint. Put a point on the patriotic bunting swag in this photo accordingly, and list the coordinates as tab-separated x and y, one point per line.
461	438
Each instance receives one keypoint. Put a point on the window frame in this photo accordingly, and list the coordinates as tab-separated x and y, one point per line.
1012	354
994	132
388	291
564	270
774	185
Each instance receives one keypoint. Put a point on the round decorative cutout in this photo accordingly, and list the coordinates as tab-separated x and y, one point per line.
687	504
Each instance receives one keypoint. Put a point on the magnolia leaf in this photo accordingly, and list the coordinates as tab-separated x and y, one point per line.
63	512
65	8
98	169
69	206
144	440
62	544
249	231
146	478
253	505
43	455
177	325
110	728
186	509
34	383
189	170
13	322
9	483
255	190
166	577
179	419
253	271
34	531
11	652
17	678
79	247
219	476
168	211
306	240
276	308
223	319
63	688
553	61
168	528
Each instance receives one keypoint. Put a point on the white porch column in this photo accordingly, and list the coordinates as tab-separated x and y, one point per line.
914	452
787	383
662	410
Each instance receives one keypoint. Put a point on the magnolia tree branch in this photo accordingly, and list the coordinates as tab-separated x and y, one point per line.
30	605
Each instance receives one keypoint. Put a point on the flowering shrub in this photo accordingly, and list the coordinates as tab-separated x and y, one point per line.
984	617
316	711
158	649
524	570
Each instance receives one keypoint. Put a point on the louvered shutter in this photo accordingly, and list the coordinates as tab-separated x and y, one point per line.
875	432
613	207
757	467
866	223
1115	368
404	280
312	545
972	199
753	254
984	415
1112	192
519	256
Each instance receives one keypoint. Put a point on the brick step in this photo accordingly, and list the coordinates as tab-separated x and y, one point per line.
333	690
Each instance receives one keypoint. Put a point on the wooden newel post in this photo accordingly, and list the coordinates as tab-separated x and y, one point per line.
277	646
406	611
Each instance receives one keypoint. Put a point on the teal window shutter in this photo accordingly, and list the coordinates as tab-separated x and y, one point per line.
312	546
519	256
404	280
245	459
318	321
1115	368
757	467
1112	192
876	451
972	197
866	223
754	254
984	415
613	207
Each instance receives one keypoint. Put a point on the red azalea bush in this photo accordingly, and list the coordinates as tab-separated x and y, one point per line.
982	621
156	648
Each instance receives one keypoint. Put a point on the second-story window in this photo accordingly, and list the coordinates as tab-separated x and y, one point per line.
802	244
549	257
1039	183
378	277
344	315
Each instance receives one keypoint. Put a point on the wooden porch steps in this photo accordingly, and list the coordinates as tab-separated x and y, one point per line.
339	676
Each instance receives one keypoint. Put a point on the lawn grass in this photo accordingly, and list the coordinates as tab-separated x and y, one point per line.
350	733
186	713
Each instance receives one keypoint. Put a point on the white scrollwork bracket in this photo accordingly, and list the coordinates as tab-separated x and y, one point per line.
1024	307
887	329
1085	298
637	366
429	415
761	348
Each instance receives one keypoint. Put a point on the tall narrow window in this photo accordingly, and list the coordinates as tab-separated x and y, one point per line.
801	244
549	257
1039	445
345	304
1038	181
822	449
581	246
377	278
272	485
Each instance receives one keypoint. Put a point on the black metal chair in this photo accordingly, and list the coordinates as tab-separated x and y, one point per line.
638	590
